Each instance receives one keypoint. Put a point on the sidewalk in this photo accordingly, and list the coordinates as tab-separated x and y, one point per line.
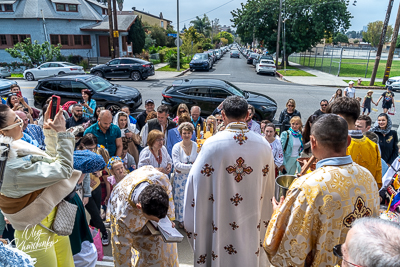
321	78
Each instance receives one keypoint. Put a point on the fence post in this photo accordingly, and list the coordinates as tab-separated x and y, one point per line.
366	69
309	59
330	67
315	58
340	61
322	60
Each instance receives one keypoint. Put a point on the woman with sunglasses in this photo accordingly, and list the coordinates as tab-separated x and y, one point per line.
287	114
182	108
33	182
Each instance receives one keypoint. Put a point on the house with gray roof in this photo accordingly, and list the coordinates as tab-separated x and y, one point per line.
80	26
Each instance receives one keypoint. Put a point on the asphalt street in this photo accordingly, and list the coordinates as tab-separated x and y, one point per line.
244	76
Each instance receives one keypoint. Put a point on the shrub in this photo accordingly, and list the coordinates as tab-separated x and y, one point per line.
85	64
172	59
74	59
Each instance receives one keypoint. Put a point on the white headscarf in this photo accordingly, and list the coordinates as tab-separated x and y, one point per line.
129	126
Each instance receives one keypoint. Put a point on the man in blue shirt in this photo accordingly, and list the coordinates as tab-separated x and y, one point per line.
33	131
108	134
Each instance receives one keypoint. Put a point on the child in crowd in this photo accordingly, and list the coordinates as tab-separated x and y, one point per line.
366	105
127	159
118	171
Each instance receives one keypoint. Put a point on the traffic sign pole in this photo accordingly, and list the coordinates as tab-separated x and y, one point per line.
178	68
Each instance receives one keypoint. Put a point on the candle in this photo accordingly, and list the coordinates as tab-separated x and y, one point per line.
204	127
198	131
212	128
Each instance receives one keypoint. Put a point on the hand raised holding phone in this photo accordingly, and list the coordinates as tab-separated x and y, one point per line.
58	121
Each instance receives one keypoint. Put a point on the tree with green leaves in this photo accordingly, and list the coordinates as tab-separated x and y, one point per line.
340	38
373	34
202	25
307	22
228	36
34	53
137	36
159	34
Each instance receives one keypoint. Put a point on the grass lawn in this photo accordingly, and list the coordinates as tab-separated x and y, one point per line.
17	75
293	71
349	67
167	68
365	83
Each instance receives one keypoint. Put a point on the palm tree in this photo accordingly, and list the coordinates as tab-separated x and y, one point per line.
202	25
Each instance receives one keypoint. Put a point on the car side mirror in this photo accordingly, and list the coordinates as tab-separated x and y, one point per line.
38	68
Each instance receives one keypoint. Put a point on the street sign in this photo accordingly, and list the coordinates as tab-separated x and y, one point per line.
116	34
173	35
180	42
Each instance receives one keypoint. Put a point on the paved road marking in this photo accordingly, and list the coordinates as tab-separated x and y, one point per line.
24	87
212	74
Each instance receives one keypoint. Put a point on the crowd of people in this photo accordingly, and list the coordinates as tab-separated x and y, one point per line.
119	171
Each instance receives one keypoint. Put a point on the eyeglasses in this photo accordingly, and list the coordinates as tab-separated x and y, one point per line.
219	120
182	111
19	122
324	105
337	251
290	105
160	140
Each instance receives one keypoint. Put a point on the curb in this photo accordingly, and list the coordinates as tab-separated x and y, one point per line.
10	78
183	72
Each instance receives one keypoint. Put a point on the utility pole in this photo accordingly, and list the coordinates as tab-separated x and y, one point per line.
116	44
392	48
110	25
279	33
381	41
178	67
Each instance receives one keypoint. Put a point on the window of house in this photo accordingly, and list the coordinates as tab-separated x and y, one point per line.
14	39
73	8
60	7
22	37
54	39
77	40
104	11
64	39
162	24
8	8
86	39
3	39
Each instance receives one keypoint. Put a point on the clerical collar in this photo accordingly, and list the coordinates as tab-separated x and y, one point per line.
237	126
335	161
357	134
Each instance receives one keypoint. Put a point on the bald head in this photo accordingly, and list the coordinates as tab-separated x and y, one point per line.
105	120
331	132
23	117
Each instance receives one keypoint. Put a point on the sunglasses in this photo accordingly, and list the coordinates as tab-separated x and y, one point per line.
18	122
290	105
337	251
324	105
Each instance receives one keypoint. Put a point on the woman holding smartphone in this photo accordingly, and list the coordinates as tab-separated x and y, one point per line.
89	104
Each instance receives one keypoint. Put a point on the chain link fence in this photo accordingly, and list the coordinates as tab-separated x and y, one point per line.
341	61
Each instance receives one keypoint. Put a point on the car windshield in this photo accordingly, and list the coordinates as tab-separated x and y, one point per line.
98	84
235	52
235	90
199	57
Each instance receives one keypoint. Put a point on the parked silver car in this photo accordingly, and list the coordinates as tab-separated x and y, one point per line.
5	72
52	68
394	82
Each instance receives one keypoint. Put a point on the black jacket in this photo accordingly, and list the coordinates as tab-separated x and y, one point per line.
141	120
388	146
285	117
154	125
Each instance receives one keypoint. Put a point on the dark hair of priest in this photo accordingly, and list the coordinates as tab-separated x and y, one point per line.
235	107
331	132
154	201
348	108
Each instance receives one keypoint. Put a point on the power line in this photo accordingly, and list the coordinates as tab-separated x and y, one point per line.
205	12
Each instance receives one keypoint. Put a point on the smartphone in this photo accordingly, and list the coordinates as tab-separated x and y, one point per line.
126	131
55	106
19	94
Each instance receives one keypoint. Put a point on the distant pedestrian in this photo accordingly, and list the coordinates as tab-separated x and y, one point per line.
287	114
388	99
339	93
350	91
322	110
366	105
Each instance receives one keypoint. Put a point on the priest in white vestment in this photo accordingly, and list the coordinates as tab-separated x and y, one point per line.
228	194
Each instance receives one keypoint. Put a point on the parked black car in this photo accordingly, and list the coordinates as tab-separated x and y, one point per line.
235	53
251	57
134	68
69	89
209	93
201	61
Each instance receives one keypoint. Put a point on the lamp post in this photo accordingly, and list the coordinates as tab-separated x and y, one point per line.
178	68
279	33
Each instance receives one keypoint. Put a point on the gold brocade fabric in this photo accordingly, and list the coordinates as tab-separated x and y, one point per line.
366	153
317	214
132	242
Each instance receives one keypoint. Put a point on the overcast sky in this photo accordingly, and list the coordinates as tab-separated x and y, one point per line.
365	10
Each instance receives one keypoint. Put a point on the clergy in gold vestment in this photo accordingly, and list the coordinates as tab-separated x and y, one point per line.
320	207
228	193
131	240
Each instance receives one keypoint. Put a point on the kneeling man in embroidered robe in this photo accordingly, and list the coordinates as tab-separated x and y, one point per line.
320	207
144	194
228	192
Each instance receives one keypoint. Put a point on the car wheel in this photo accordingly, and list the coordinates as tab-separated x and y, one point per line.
135	76
113	108
29	76
61	73
257	117
191	70
98	73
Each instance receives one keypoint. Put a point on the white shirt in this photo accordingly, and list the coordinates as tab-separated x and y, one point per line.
183	162
147	158
351	92
295	148
277	151
145	132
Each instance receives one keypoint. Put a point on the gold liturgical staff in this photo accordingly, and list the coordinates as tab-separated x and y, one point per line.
206	134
